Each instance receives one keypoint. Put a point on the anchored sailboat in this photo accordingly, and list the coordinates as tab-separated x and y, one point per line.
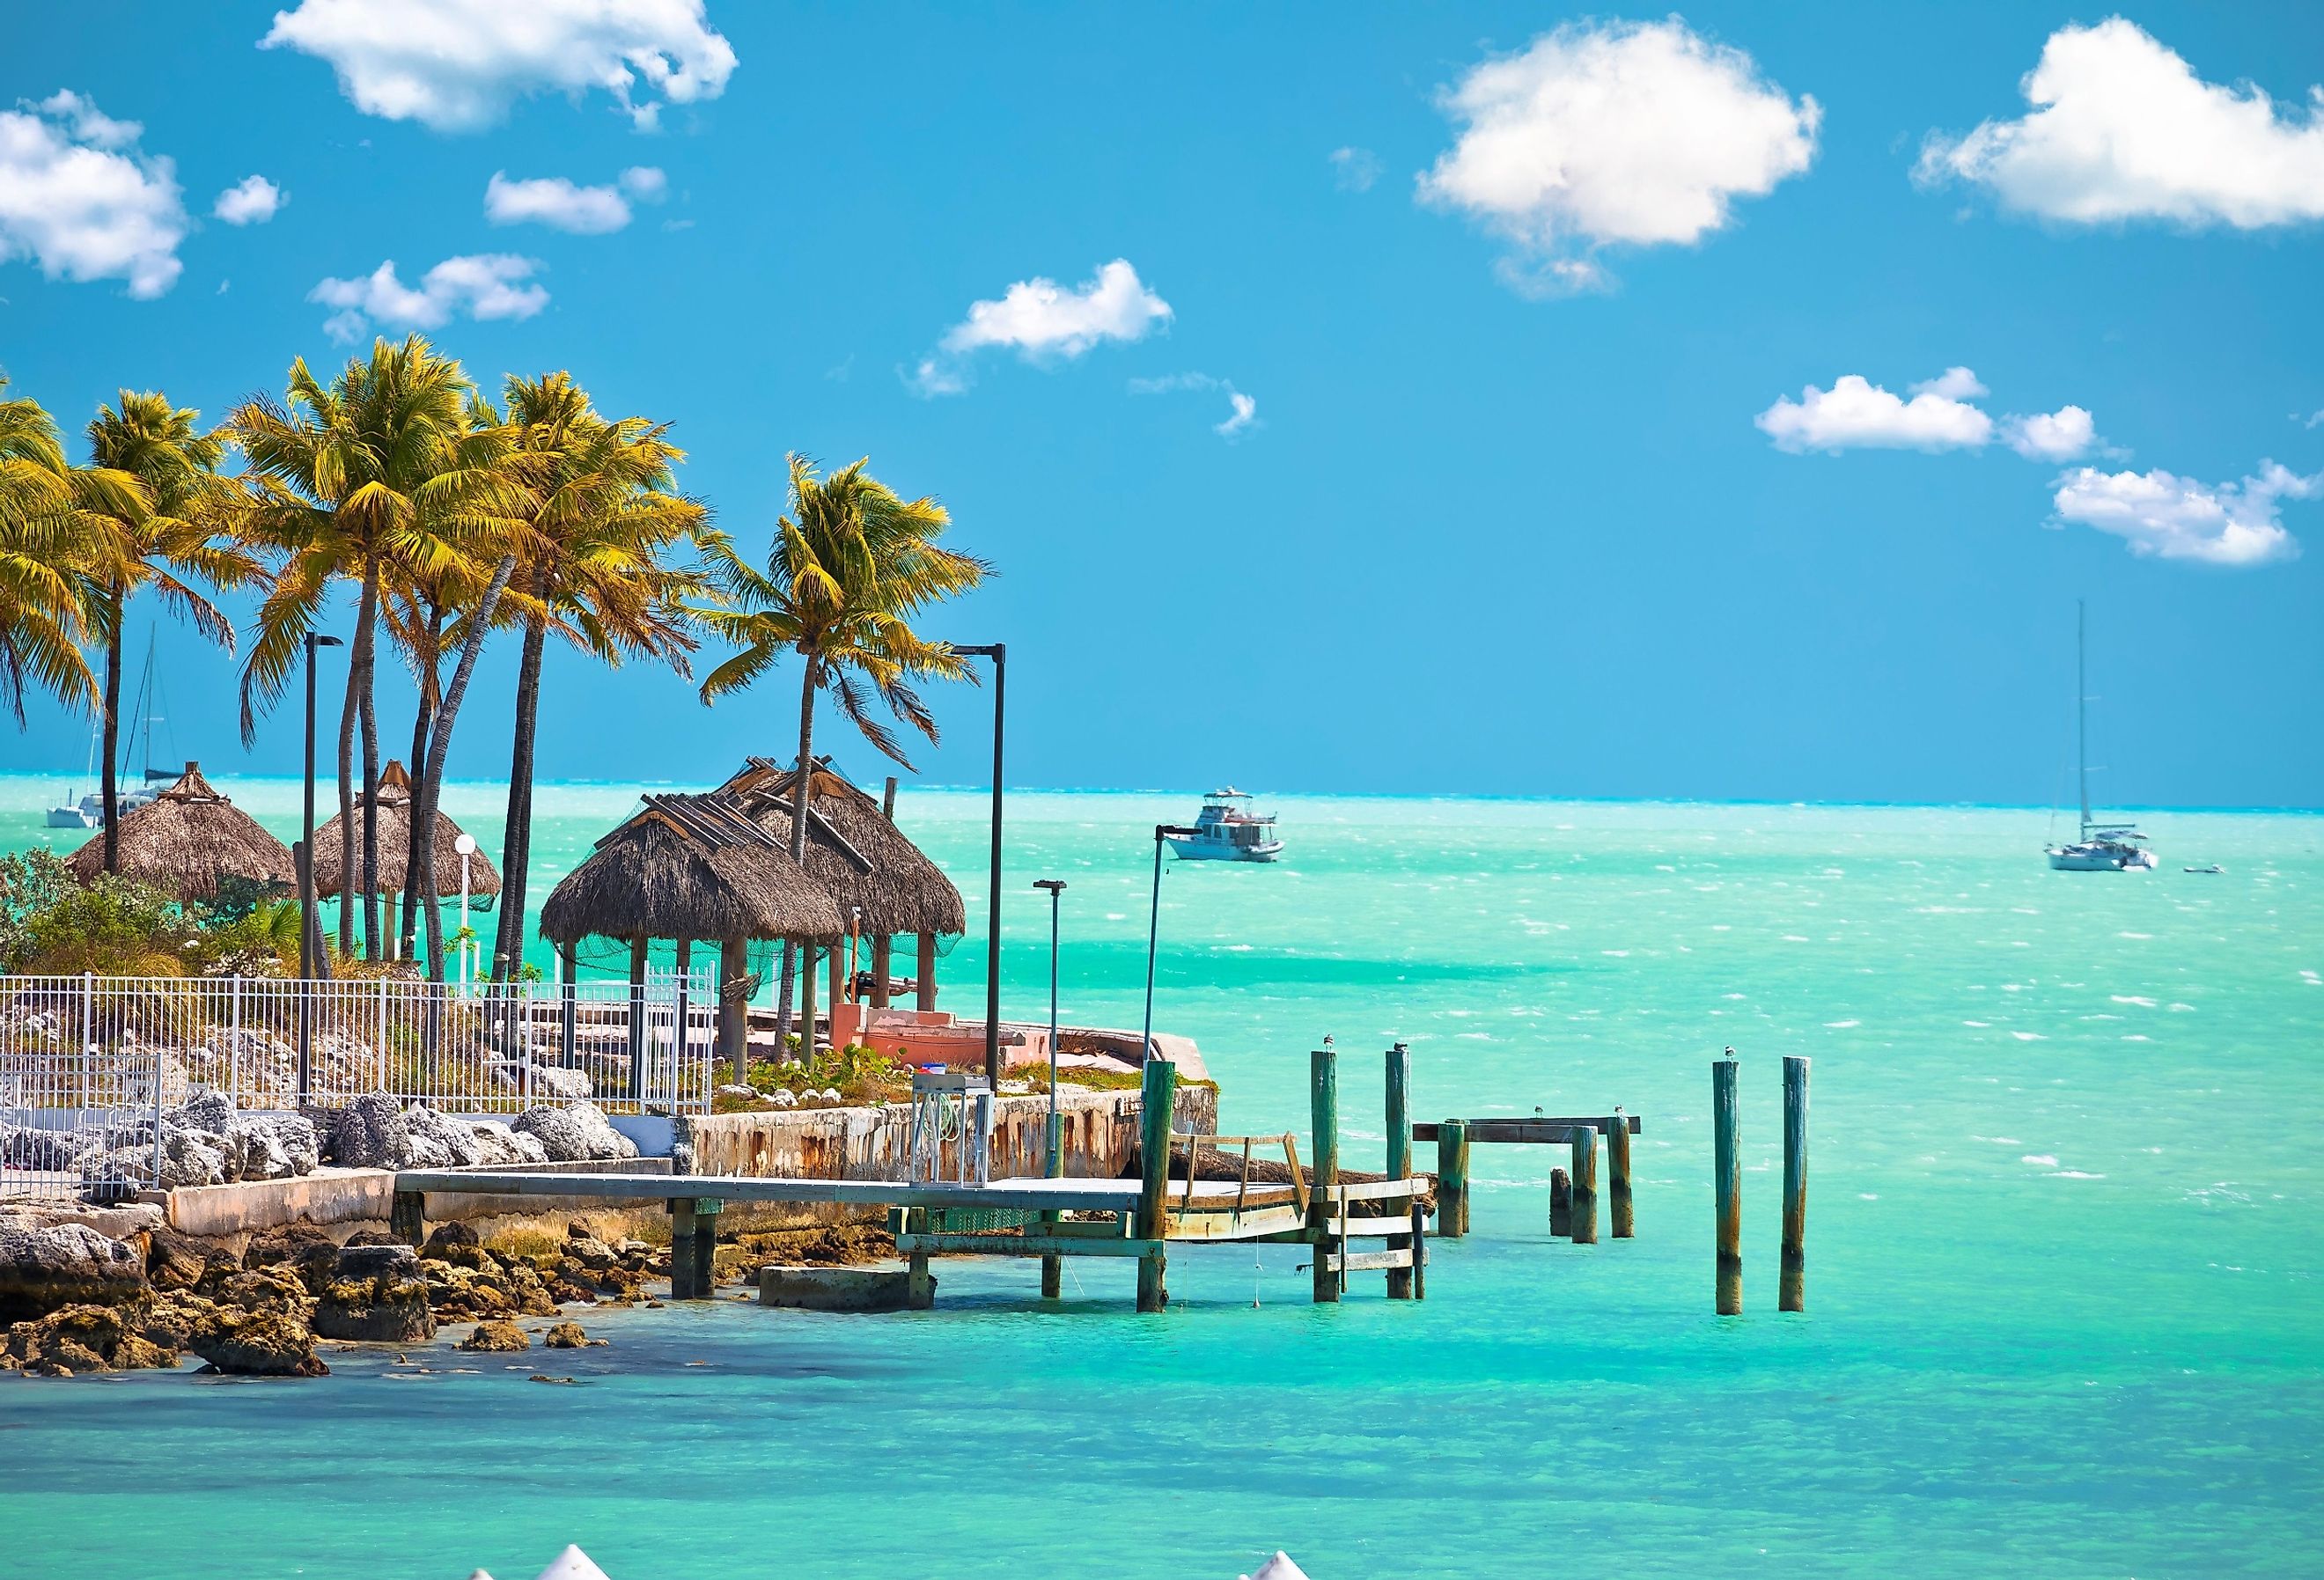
2103	848
88	811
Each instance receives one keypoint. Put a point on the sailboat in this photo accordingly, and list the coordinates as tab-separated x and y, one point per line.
88	811
2103	848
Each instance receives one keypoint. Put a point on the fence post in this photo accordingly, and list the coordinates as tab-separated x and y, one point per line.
88	1040
1452	1179
524	1046
383	1034
1158	1095
1792	1294
679	1028
1400	1280
638	1019
1727	1177
1324	1117
234	1045
156	1057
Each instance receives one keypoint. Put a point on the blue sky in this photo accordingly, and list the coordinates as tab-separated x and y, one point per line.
1549	481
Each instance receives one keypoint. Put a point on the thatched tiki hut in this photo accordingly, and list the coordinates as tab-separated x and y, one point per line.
687	867
395	810
884	883
188	840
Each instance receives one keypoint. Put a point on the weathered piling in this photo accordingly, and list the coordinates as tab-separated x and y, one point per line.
1792	1292
1619	1217
1157	1094
1561	1204
693	1246
1453	1179
1727	1175
1419	1251
920	1284
407	1216
1585	1185
1401	1280
1323	1115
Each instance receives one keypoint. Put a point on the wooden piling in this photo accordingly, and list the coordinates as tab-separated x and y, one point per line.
1620	1215
685	1249
733	1010
1561	1204
1323	1114
1585	1185
1401	1280
1792	1291
919	1285
407	1216
1727	1175
1452	1179
1419	1251
1157	1097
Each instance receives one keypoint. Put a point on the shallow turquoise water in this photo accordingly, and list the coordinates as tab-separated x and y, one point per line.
2063	1274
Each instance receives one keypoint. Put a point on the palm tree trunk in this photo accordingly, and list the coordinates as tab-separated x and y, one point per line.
112	781
801	779
431	783
366	634
347	811
423	715
516	842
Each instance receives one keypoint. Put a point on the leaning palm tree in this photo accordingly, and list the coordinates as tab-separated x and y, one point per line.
850	566
604	521
41	585
386	469
169	527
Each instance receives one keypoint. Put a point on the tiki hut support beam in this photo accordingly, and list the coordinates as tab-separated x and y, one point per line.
837	978
883	960
568	1030
807	1002
733	1009
928	970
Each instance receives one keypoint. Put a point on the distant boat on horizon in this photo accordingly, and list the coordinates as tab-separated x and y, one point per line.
2102	847
88	810
1228	830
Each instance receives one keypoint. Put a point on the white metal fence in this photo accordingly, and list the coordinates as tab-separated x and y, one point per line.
85	1060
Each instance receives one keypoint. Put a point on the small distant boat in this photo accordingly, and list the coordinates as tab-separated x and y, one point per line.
88	811
1228	830
2213	867
2103	848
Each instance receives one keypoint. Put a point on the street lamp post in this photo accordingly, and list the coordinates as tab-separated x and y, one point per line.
310	937
1162	831
997	653
467	846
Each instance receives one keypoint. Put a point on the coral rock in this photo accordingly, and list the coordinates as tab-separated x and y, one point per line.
66	1264
84	1338
496	1337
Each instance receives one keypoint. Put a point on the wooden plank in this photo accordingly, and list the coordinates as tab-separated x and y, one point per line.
918	1244
1249	1224
1064	1194
1792	1294
1552	1132
1357	1261
1389	1190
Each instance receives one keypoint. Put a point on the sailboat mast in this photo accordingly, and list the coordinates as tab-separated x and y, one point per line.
2082	716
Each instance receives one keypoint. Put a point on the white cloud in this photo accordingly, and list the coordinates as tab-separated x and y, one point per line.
1354	170
78	196
490	285
552	200
1242	412
2122	129
2170	517
1043	321
457	65
2063	435
645	183
1855	414
2314	420
253	200
1630	133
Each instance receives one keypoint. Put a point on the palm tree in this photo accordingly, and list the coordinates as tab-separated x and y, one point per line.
166	527
604	517
849	568
386	471
41	588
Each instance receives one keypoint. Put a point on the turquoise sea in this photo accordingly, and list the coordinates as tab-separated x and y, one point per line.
2063	1277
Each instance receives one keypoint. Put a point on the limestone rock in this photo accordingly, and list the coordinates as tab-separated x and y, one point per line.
374	1260
67	1264
173	1317
569	1335
444	1237
498	1145
191	1157
33	1147
84	1338
267	1289
499	1335
271	1146
207	1110
175	1261
306	1254
370	1133
271	1341
378	1298
579	1133
436	1142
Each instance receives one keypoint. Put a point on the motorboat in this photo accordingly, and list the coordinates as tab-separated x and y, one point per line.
1228	830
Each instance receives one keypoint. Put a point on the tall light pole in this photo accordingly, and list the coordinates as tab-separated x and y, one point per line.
467	846
1162	831
998	652
1056	1155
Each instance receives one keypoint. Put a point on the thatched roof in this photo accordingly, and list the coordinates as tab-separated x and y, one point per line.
689	867
187	839
395	841
854	850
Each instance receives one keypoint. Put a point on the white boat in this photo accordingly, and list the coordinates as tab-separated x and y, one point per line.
2102	847
88	811
1228	830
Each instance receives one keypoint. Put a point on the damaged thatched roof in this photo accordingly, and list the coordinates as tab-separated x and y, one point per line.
690	866
853	849
186	840
395	844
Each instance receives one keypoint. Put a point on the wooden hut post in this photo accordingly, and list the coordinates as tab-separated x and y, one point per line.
1399	1155
636	1017
1323	1118
568	1009
1157	1097
883	960
807	1000
1561	1204
1727	1177
1618	1178
837	982
1791	1293
1585	1185
733	1009
1452	1179
927	972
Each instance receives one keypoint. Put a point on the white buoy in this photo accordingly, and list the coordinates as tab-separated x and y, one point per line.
572	1564
1278	1568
